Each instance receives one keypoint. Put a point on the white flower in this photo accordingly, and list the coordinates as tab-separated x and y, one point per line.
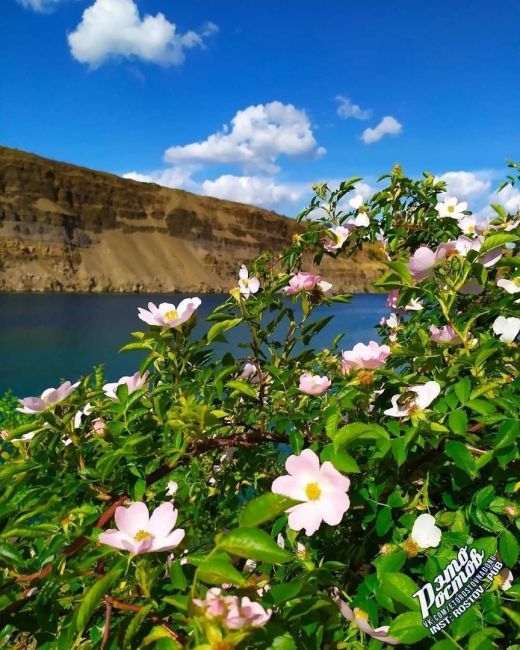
168	315
171	488
414	305
392	321
507	328
362	220
246	284
86	410
468	225
425	533
405	403
451	208
356	202
511	286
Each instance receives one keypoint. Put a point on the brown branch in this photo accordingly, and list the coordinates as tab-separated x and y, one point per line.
119	604
106	629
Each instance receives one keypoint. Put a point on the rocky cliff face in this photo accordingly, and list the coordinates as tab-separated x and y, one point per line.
66	228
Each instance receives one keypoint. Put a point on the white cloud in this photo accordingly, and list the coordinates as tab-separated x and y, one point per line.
346	109
175	177
388	126
257	137
255	190
466	185
113	28
41	6
509	197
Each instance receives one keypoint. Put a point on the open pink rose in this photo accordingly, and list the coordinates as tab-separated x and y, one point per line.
139	533
360	619
168	315
445	335
339	237
133	382
49	398
369	356
322	490
314	384
304	281
235	613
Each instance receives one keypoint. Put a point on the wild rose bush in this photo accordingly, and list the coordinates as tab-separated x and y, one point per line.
284	497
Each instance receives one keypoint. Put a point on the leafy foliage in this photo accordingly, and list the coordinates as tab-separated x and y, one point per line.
223	435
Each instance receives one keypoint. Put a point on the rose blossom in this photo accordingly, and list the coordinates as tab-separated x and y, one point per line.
511	286
314	384
50	397
405	403
250	373
425	533
369	356
451	208
246	284
323	491
304	281
235	613
133	382
506	328
168	315
340	236
445	335
141	533
360	618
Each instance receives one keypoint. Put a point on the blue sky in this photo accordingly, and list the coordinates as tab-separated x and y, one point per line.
114	84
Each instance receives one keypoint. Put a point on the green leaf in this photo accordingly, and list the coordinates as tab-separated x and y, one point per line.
11	553
463	389
408	628
284	642
216	570
461	457
480	641
242	387
264	508
281	593
252	544
400	588
92	599
358	431
134	625
494	241
509	548
458	421
221	327
341	460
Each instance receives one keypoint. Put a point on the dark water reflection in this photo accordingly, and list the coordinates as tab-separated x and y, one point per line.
48	337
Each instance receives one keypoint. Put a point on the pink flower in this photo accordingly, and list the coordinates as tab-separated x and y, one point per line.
360	618
139	533
246	284
392	300
421	263
314	384
468	225
134	382
511	286
340	236
99	427
250	373
445	335
304	281
369	356
48	399
406	403
323	491
451	208
234	613
4	434
167	315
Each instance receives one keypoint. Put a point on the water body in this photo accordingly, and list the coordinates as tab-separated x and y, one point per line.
45	338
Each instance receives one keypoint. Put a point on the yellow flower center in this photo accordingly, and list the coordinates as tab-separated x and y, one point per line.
359	613
141	535
411	548
171	315
313	491
451	208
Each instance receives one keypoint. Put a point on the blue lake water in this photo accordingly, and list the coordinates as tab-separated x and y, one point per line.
45	338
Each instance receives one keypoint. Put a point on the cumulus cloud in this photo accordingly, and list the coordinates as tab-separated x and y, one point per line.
346	109
256	190
175	177
114	29
509	197
258	135
41	6
388	126
466	185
